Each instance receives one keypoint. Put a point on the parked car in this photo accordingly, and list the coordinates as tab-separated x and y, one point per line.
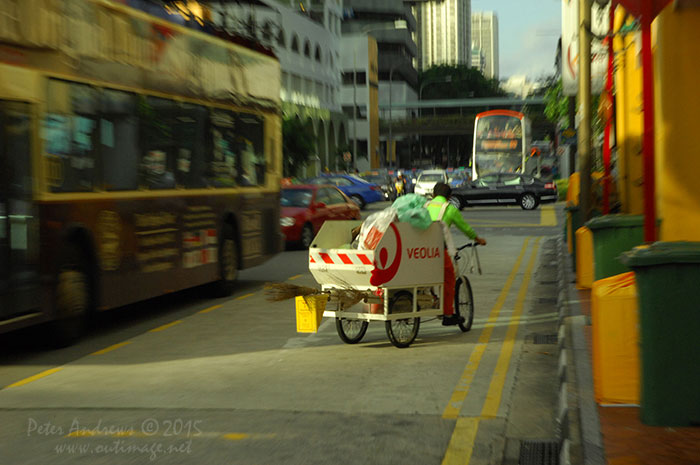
306	207
384	181
427	180
457	179
504	189
359	190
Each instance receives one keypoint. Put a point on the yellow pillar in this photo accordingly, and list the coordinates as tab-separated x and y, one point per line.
630	124
677	95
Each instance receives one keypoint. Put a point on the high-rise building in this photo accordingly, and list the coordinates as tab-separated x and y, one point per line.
485	38
444	35
478	60
392	25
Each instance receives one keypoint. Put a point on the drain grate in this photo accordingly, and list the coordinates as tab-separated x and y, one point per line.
539	453
545	339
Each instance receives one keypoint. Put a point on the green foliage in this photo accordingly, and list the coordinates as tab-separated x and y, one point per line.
466	82
562	188
298	144
557	109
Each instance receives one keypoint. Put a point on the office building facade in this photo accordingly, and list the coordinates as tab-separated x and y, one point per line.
485	38
444	32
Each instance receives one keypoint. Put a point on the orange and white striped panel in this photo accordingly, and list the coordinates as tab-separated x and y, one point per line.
341	257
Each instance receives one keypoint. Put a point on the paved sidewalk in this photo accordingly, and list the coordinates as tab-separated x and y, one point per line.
612	435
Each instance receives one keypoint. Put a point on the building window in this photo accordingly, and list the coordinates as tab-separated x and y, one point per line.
280	39
295	44
349	80
318	54
360	109
307	49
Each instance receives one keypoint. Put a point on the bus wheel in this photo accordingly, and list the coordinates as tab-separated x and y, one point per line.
71	298
228	262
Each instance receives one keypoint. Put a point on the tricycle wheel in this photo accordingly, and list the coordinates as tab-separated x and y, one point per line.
403	332
464	303
351	331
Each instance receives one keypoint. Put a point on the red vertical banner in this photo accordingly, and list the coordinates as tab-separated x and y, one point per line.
608	95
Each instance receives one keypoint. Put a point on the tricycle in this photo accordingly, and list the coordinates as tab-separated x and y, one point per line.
401	279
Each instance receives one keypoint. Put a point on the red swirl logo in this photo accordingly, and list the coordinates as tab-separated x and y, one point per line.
381	273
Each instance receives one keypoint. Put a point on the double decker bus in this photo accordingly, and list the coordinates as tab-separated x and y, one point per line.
501	142
137	157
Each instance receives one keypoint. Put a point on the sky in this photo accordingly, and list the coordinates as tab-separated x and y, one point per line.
528	34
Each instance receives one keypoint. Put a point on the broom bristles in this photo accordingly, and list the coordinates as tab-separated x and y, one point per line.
276	292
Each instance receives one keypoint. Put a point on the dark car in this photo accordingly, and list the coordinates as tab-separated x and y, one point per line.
359	190
505	189
304	209
384	181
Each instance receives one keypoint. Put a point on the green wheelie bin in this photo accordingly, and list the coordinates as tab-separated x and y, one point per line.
613	235
573	222
668	274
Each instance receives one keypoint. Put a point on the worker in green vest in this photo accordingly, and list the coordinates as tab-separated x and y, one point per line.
442	210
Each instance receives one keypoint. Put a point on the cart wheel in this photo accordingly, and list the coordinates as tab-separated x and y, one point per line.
351	331
464	303
402	333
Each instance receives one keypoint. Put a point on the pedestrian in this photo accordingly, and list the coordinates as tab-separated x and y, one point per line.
442	210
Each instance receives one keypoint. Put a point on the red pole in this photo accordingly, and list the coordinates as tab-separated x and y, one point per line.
648	140
608	122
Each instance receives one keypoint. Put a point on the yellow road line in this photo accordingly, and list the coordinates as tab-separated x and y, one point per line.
111	348
294	277
459	450
24	381
245	296
236	436
164	327
548	216
207	310
498	380
460	393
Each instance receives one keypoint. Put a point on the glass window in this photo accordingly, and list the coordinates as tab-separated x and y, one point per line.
70	130
338	181
322	196
238	149
335	197
119	140
158	147
510	179
296	197
251	150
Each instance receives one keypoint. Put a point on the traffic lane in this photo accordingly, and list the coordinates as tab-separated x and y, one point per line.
23	354
246	355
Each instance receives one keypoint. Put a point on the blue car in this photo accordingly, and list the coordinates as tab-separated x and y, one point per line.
359	190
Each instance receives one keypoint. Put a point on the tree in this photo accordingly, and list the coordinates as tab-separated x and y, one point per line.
557	109
298	144
465	82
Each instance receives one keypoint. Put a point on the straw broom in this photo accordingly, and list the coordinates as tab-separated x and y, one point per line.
277	292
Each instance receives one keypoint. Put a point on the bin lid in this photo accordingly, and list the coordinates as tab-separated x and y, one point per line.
660	253
615	221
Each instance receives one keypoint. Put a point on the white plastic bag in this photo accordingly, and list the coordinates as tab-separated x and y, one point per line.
374	228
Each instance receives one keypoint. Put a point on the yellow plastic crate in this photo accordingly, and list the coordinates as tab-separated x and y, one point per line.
310	310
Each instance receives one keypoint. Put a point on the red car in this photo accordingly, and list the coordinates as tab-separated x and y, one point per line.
306	207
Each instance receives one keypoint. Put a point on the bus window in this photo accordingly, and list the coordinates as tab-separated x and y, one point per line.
119	140
70	131
222	166
192	149
157	166
250	150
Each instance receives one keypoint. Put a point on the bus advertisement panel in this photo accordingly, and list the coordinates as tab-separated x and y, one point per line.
500	142
134	164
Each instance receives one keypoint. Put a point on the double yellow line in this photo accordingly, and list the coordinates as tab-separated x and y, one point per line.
461	445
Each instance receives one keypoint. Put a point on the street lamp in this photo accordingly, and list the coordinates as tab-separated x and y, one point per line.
420	99
398	24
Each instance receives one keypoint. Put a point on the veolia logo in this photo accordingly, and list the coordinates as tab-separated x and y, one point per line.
382	273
